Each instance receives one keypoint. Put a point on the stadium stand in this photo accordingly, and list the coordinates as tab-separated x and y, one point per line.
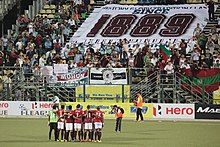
43	40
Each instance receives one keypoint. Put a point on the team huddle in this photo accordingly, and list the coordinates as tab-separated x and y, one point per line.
76	124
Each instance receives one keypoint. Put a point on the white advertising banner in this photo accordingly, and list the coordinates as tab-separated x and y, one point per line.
60	68
25	108
108	76
186	111
155	23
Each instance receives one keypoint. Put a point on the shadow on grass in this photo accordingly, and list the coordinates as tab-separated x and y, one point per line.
127	140
24	141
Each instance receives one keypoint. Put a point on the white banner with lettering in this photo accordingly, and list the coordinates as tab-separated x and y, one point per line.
73	77
60	68
25	108
108	76
186	111
157	23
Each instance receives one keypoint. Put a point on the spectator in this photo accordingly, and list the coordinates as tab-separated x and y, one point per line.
211	10
104	61
210	44
1	58
197	30
185	65
139	61
78	57
217	64
202	42
169	68
42	61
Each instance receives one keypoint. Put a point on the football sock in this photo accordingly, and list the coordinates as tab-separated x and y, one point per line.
85	133
75	134
99	135
67	135
61	135
79	133
58	134
95	135
72	135
82	134
90	135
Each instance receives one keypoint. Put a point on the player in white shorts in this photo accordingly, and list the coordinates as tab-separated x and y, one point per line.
88	123
99	123
60	123
69	124
77	114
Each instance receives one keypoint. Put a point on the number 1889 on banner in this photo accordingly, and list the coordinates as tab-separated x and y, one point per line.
146	26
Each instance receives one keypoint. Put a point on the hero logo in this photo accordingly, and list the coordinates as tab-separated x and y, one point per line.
208	110
41	105
157	110
172	110
188	111
3	105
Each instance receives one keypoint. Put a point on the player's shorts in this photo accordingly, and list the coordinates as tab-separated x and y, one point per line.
60	125
77	126
88	126
69	126
98	125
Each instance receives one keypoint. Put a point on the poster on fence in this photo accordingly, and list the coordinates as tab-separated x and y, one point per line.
103	93
60	68
106	107
108	76
47	70
73	77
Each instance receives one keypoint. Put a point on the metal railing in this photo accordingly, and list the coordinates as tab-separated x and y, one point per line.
152	84
199	94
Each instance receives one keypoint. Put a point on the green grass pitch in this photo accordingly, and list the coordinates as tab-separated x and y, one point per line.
21	132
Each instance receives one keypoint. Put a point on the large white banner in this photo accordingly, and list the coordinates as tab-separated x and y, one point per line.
155	23
108	76
25	108
186	111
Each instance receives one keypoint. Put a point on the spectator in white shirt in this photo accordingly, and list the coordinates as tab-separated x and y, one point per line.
42	61
19	45
197	30
169	68
72	23
154	60
185	65
195	55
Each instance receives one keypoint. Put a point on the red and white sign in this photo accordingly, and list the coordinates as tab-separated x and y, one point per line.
174	111
25	108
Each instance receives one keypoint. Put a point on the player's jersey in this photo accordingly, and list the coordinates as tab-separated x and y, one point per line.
98	115
78	113
69	119
88	117
60	114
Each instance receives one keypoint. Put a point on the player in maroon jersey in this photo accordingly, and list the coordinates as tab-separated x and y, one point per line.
69	123
77	113
60	124
99	123
88	123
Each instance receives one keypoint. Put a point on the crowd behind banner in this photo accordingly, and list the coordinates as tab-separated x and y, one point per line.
41	42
